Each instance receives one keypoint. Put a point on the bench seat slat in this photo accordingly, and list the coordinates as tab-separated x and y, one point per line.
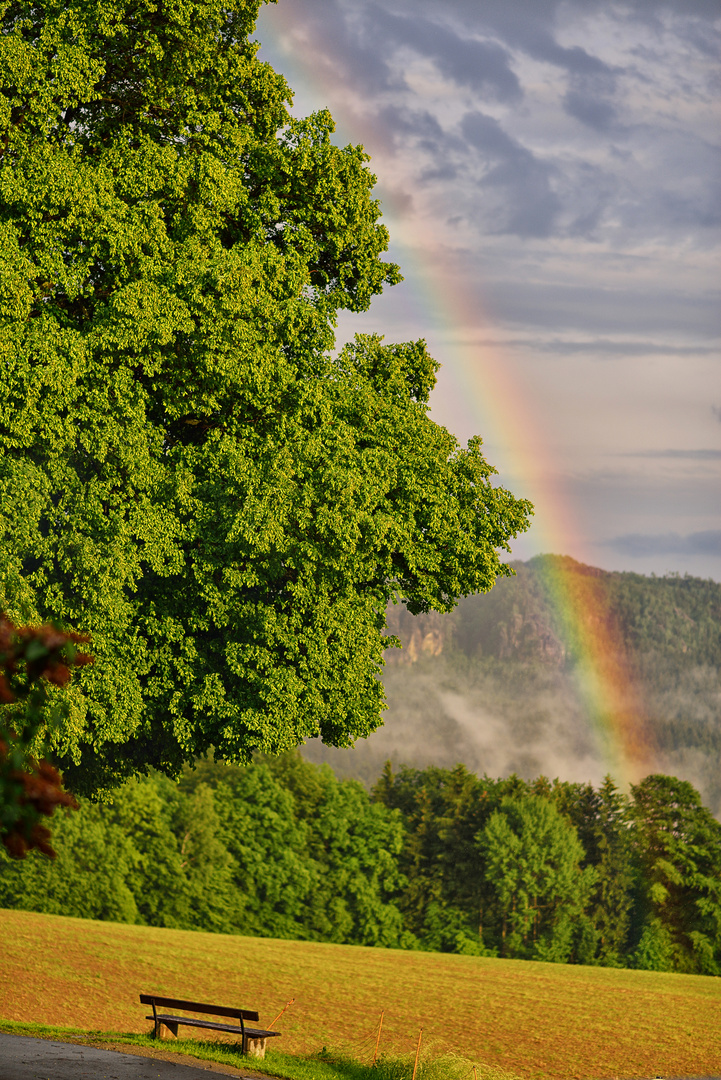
253	1033
198	1006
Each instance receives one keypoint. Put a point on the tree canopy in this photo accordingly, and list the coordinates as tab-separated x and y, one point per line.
435	859
190	472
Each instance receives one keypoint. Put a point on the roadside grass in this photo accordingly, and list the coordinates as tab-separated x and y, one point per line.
324	1065
528	1020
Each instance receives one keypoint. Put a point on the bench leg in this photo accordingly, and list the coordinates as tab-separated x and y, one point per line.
254	1047
172	1027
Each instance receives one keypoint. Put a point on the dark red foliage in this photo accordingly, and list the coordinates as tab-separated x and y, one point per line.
38	652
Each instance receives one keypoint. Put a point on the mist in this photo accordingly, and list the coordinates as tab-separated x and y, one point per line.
494	686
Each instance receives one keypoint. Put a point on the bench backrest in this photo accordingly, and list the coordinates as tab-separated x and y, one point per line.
197	1006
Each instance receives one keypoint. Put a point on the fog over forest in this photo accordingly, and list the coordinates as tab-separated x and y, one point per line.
495	684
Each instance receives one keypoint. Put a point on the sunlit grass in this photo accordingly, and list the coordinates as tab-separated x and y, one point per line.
530	1020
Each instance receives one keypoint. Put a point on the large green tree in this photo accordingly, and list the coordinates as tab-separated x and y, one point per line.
188	470
533	862
677	844
601	819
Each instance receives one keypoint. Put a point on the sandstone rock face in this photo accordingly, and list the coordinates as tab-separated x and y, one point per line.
419	635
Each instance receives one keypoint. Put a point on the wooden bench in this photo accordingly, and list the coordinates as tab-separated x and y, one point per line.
252	1039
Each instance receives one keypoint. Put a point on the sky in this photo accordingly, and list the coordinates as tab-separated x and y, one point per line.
550	174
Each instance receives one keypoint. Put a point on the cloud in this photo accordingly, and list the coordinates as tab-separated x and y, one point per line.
525	24
483	66
588	100
344	42
638	545
525	181
604	307
665	183
551	12
550	169
589	109
423	128
604	346
689	455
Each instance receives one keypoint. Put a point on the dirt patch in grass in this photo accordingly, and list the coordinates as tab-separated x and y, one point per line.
540	1021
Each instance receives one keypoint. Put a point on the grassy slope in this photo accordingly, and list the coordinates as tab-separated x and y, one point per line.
537	1020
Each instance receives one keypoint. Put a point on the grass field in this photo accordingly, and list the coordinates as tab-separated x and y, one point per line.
538	1021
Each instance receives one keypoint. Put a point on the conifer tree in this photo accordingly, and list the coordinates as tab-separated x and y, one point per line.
678	847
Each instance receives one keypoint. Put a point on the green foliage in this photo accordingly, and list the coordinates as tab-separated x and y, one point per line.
187	472
278	849
559	871
654	951
92	877
678	846
602	820
432	859
447	893
532	861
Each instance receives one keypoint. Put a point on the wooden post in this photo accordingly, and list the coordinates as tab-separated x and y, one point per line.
254	1047
378	1039
418	1050
287	1005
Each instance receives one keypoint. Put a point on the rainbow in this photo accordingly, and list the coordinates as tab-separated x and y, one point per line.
488	386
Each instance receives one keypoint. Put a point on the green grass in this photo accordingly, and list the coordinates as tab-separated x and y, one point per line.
325	1065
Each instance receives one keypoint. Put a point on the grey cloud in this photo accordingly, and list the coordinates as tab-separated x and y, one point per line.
703	35
688	455
441	147
649	498
420	124
622	348
536	41
640	545
485	133
632	195
526	25
587	101
446	171
366	36
531	206
589	110
561	347
349	42
480	65
547	10
603	310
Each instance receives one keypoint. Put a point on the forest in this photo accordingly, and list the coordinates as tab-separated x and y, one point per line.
433	859
495	683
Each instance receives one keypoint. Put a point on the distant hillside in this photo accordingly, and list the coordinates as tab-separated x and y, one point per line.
494	684
677	619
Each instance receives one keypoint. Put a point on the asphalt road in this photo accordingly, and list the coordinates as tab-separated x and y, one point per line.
22	1058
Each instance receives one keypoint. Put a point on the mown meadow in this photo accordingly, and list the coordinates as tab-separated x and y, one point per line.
536	1021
